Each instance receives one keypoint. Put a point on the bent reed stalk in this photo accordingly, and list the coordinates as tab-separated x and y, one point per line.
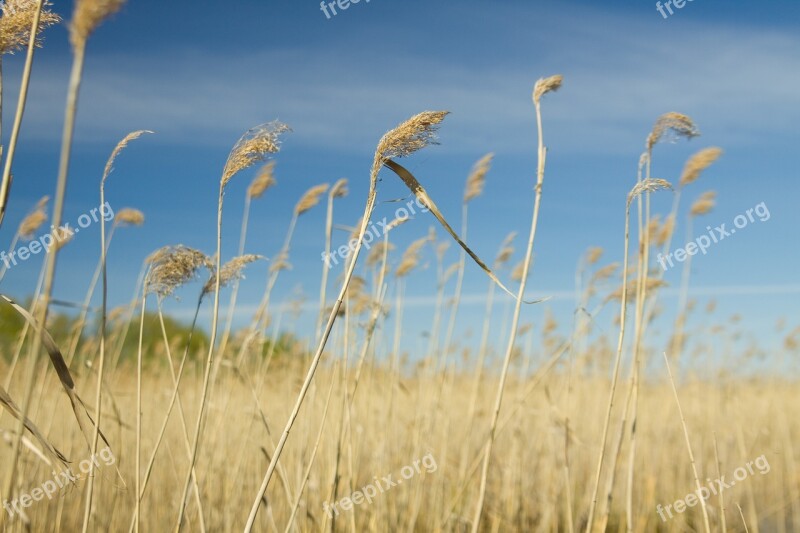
542	87
411	136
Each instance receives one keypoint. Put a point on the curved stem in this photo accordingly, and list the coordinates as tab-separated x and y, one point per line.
315	361
50	261
542	154
5	185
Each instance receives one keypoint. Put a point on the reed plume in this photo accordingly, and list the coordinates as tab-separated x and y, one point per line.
88	15
174	266
647	185
128	216
121	145
310	199
230	271
476	181
412	135
542	87
677	123
704	204
16	20
254	146
697	164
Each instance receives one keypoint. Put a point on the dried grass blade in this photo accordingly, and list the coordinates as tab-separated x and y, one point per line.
61	369
421	194
12	408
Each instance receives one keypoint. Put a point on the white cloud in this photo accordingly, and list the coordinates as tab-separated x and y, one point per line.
742	84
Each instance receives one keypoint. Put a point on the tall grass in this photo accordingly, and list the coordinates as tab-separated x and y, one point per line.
523	439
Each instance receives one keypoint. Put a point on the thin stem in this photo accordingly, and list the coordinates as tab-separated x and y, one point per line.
688	446
615	377
5	185
50	269
209	366
101	367
514	322
315	361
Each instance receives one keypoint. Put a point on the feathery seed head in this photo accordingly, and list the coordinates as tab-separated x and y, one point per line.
516	273
16	19
31	223
339	189
173	266
254	146
477	178
506	250
281	262
603	273
648	185
698	163
129	217
120	147
650	284
665	232
230	271
704	204
310	198
593	255
412	135
263	181
682	126
61	237
396	222
410	258
377	251
88	15
546	85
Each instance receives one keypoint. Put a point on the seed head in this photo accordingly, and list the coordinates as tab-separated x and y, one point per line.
230	271
546	85
310	198
88	15
173	266
339	189
252	147
263	181
412	135
648	185
704	204
477	178
665	231
411	257
120	147
681	125
31	223
129	217
16	19
377	251
593	255
61	237
698	163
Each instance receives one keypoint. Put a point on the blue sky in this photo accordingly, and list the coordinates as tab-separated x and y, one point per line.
199	74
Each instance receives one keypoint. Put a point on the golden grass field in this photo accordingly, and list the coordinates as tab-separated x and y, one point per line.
588	426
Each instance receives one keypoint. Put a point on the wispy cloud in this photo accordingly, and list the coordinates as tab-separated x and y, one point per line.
747	86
